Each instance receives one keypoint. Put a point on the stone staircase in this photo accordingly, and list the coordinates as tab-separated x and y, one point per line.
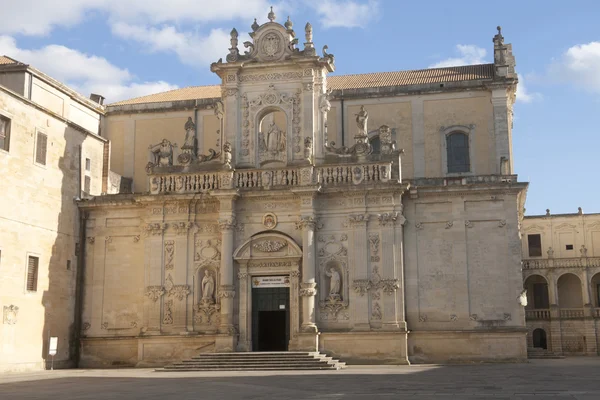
539	353
259	361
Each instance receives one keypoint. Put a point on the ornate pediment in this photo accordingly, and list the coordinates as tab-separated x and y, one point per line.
268	245
273	42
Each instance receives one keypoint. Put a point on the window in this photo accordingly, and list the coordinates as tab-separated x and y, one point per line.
4	133
40	148
376	144
88	164
87	184
68	265
535	245
457	149
32	273
569	247
598	295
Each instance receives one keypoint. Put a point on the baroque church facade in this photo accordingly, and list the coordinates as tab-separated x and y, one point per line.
374	217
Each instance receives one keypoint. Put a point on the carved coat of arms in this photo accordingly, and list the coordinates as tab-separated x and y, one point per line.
271	45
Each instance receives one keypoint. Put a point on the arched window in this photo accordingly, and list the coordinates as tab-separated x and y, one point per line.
457	152
375	144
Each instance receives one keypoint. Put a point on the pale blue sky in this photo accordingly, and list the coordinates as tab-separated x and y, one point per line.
129	48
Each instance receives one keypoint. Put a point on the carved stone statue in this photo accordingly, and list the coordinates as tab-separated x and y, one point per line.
227	155
274	139
208	287
523	298
190	133
335	283
162	153
361	120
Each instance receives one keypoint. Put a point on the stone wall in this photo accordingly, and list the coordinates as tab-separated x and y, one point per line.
39	218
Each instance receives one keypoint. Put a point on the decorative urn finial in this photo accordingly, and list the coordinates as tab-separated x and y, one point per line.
255	25
499	39
308	32
271	16
288	24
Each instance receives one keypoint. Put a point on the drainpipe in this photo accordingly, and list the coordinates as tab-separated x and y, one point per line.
343	119
79	289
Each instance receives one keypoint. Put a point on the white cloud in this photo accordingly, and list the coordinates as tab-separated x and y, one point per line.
579	65
39	17
84	73
468	55
344	13
524	95
192	49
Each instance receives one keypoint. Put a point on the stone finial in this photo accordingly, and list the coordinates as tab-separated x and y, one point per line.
255	26
234	35
271	16
308	32
498	38
288	24
233	50
547	212
579	210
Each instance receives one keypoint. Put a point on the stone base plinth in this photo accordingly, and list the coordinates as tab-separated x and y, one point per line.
305	342
225	343
447	347
366	347
154	351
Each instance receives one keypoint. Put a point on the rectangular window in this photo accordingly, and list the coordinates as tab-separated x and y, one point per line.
535	245
32	273
569	247
457	152
88	164
87	184
41	148
4	133
68	265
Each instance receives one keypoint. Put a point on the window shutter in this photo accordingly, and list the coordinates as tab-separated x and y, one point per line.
40	151
32	273
4	133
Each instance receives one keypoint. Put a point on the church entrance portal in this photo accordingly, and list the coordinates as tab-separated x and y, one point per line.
270	317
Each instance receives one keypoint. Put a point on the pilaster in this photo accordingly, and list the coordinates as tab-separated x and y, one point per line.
500	104
359	257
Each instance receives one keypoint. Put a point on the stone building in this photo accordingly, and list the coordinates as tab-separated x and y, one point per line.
561	272
51	154
374	217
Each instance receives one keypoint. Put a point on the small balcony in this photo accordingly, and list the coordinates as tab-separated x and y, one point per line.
540	314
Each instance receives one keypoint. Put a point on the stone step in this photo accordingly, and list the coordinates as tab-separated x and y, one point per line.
259	361
538	353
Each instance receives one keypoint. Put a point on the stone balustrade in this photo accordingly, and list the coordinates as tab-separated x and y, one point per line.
464	180
581	262
330	175
543	314
567	313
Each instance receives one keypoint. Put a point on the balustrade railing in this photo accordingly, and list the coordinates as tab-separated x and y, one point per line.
571	313
537	314
561	263
285	177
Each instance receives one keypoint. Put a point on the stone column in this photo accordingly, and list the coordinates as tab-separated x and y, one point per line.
308	336
227	338
360	253
245	339
308	287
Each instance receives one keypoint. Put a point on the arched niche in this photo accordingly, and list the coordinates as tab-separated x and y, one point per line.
537	292
272	135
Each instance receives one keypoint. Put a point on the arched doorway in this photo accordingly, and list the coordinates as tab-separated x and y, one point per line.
596	290
569	291
537	293
269	273
539	338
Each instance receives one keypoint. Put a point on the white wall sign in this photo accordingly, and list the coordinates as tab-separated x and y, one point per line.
53	346
270	281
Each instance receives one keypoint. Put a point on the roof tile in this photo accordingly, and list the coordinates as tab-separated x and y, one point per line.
341	82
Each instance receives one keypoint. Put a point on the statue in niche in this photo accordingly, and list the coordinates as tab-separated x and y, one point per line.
162	153
361	120
273	140
335	283
208	287
190	133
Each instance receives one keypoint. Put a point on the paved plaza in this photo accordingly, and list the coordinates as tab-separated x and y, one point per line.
571	378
